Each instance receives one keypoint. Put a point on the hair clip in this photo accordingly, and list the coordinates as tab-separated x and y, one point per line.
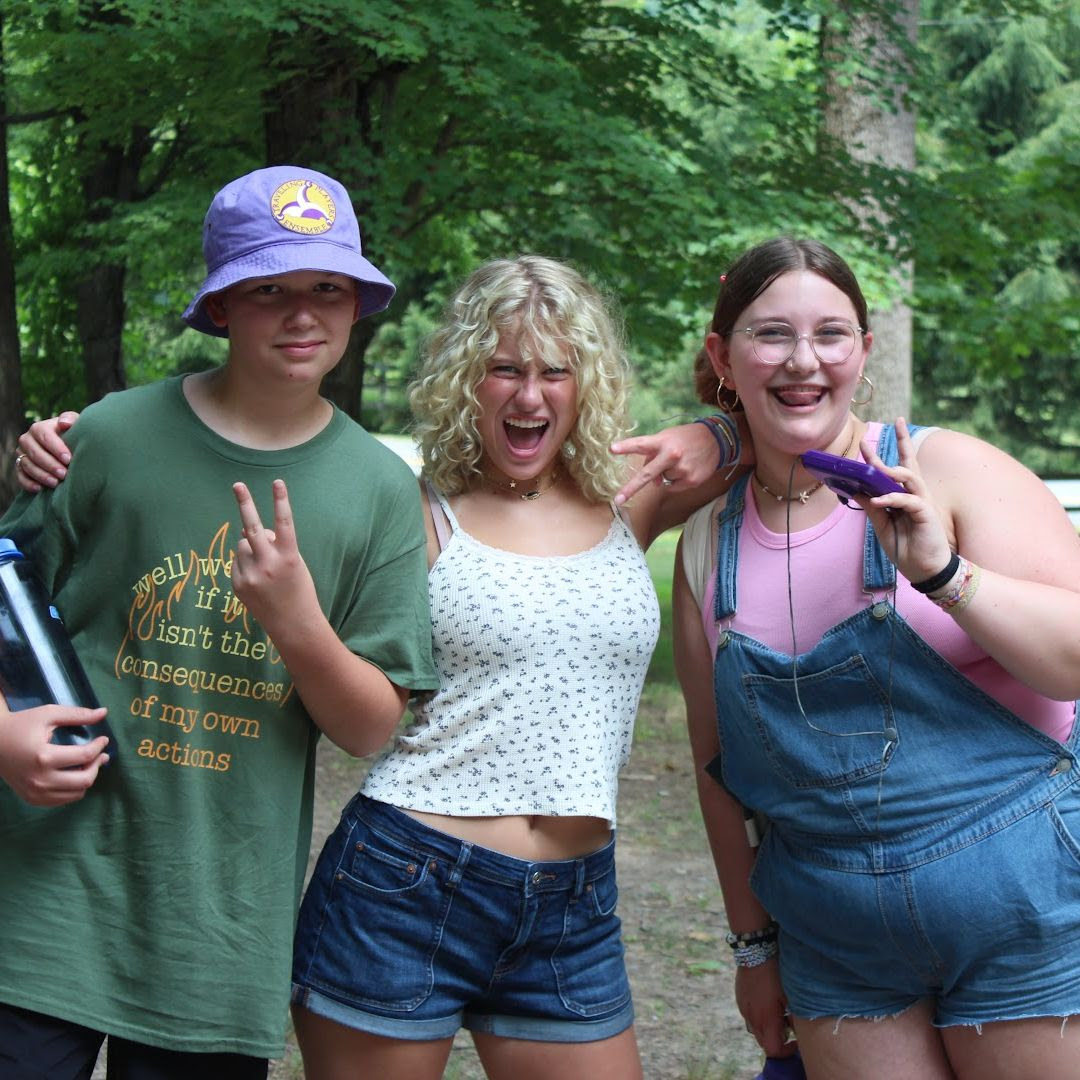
723	278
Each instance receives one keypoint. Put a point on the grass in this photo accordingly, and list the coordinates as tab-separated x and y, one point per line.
661	560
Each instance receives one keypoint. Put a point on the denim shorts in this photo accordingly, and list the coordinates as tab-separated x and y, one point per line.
411	933
985	926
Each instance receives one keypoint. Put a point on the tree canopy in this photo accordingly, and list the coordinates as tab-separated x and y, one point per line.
646	141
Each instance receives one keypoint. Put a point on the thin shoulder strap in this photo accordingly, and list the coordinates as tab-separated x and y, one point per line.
879	573
442	517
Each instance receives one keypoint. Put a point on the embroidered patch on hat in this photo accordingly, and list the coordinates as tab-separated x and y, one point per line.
302	206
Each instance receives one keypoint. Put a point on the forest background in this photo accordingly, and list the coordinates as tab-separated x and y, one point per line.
934	144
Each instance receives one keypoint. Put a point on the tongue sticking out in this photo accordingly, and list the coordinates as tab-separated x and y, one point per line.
525	435
795	396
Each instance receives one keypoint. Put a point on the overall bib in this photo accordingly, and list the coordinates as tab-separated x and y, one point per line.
924	841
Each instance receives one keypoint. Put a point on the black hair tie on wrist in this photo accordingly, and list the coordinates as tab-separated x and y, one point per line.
932	584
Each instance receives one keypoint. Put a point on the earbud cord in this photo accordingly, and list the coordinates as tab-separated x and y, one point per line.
890	739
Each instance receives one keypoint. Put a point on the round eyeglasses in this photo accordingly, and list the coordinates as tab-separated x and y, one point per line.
775	342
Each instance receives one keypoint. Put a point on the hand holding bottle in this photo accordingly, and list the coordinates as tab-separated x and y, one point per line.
39	771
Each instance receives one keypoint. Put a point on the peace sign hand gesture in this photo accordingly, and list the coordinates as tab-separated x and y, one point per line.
269	576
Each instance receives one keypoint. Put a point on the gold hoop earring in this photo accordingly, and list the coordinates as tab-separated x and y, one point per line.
870	391
725	406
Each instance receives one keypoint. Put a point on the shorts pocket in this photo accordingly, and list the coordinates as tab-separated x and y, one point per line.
380	925
589	964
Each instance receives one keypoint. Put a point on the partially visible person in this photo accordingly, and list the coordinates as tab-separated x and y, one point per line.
892	686
154	902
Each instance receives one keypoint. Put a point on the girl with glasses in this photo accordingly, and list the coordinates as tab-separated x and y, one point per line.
891	687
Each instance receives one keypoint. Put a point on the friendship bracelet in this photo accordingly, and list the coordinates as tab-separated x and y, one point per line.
932	584
725	424
751	956
753	937
961	594
726	433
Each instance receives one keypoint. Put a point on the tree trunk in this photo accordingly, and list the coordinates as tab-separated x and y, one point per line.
344	386
99	307
304	119
12	419
111	178
875	126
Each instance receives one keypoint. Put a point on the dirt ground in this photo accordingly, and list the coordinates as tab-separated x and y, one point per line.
673	917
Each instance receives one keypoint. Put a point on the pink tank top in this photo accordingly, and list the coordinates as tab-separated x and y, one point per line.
826	588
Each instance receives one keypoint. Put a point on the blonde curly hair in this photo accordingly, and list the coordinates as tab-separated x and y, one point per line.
557	317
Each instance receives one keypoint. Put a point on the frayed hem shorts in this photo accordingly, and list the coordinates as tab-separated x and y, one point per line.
989	931
411	933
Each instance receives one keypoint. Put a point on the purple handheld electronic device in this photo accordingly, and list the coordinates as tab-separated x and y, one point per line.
848	477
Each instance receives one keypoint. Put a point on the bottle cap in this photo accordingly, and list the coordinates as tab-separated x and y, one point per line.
9	547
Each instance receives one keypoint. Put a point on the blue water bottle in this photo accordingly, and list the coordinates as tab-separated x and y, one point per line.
38	664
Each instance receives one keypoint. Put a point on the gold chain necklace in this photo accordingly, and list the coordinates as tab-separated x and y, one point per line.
533	488
803	496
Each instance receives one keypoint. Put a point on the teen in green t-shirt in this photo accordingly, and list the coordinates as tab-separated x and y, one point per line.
240	567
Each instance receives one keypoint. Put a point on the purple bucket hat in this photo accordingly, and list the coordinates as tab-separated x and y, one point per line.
273	221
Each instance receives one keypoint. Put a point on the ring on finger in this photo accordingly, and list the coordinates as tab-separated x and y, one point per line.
666	481
18	460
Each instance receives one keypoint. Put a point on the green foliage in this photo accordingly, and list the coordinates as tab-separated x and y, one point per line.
995	205
646	141
661	560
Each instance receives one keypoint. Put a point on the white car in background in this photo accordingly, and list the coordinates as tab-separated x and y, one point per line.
1068	493
405	448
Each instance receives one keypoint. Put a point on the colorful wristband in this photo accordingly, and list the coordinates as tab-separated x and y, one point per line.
724	430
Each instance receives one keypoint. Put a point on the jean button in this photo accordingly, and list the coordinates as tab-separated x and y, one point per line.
1063	765
537	878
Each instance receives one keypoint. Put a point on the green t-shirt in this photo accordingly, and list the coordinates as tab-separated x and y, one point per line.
161	907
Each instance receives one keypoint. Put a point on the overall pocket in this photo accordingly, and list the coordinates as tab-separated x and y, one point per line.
826	728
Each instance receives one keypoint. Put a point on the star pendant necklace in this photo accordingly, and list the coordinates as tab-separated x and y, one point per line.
802	496
533	488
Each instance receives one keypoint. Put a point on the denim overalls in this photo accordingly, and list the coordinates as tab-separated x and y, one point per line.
924	840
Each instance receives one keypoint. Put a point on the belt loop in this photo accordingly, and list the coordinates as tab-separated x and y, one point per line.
458	870
579	878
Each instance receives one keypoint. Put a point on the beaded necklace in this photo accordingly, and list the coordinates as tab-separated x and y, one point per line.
802	496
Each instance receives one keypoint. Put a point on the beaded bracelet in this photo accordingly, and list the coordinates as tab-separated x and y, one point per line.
726	433
753	937
965	585
751	956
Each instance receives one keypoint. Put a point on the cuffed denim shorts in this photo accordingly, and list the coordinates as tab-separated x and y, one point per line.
411	933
